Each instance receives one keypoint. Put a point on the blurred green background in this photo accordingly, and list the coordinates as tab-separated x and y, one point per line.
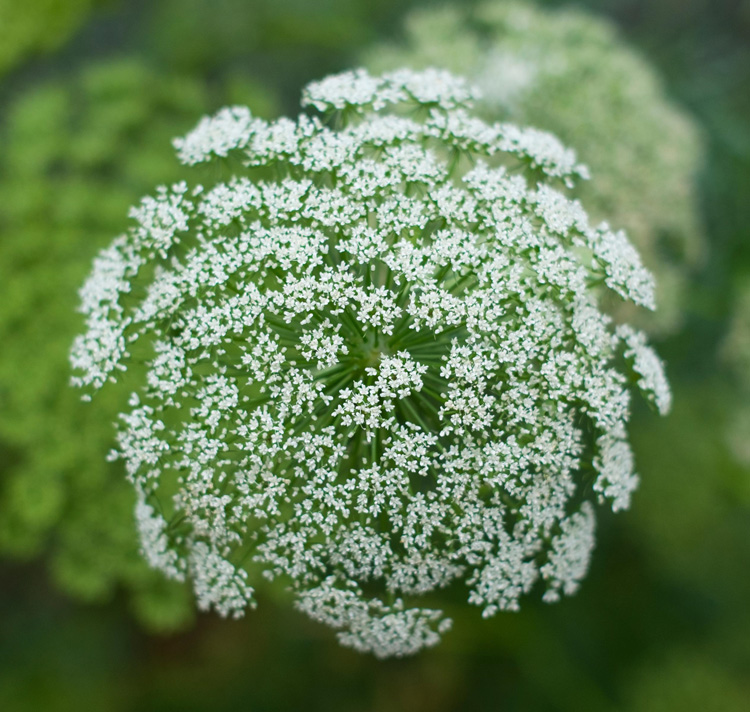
91	91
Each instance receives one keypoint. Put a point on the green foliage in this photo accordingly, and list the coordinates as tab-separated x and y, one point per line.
690	486
736	351
292	41
75	156
231	28
686	680
37	26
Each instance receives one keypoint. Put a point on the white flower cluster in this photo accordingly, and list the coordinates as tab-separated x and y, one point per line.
567	71
375	364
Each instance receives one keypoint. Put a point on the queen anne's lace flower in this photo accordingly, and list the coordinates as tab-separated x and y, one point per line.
376	364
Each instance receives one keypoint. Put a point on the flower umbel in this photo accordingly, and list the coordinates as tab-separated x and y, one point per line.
375	360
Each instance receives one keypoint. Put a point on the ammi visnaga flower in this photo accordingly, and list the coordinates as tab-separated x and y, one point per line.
371	363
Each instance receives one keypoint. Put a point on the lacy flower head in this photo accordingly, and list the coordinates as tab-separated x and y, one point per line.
374	362
568	71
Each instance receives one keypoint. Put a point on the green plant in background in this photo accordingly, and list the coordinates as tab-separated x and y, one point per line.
736	353
371	362
39	25
290	37
685	679
230	29
568	72
75	154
